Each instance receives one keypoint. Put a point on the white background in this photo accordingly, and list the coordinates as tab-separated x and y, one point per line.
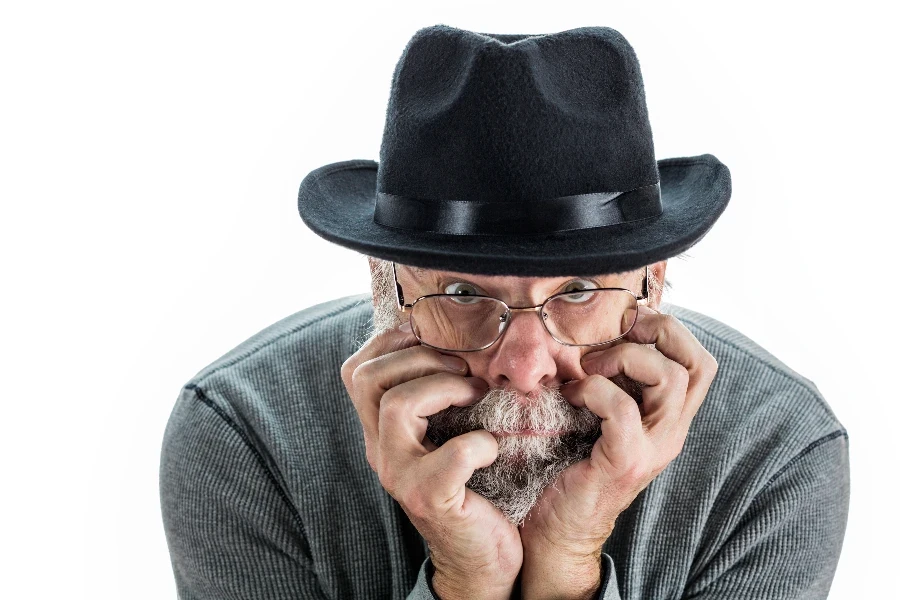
150	155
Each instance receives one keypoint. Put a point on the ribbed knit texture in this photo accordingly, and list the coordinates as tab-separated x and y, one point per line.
266	492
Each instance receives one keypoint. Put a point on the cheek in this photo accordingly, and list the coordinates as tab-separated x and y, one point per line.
568	362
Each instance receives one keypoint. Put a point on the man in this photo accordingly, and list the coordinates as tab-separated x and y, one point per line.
525	418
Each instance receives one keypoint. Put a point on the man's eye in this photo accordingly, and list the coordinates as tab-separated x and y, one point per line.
574	286
462	293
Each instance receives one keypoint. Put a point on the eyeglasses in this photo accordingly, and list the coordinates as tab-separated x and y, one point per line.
466	322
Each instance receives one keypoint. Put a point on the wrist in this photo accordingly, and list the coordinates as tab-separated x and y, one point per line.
447	585
554	575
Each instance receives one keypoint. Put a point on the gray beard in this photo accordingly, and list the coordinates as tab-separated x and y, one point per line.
526	464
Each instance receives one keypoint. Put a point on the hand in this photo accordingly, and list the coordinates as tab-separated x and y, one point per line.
395	384
566	529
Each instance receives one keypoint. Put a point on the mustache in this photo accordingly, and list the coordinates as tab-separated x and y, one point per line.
503	411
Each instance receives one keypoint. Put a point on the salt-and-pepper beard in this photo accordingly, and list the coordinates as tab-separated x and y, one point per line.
525	464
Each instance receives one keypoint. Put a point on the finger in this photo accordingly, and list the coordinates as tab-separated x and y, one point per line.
389	370
621	429
445	471
405	408
374	377
670	337
641	363
386	342
676	342
665	381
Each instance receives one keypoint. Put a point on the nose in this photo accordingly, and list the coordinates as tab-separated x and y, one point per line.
523	357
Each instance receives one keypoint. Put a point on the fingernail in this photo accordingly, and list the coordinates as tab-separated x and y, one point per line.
646	310
594	354
477	383
454	362
405	327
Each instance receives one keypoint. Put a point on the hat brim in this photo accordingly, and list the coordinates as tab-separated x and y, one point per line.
337	201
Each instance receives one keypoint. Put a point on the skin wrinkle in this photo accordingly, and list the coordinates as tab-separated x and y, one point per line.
526	464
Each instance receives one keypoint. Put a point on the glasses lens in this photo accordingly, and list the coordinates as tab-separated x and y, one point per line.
590	317
457	322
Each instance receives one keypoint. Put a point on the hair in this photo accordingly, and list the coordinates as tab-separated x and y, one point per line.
385	314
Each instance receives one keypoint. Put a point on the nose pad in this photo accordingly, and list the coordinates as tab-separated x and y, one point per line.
506	319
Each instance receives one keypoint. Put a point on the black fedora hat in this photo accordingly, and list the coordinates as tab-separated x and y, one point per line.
517	154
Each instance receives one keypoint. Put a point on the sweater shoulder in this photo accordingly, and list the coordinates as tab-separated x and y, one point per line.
338	324
286	379
712	330
755	389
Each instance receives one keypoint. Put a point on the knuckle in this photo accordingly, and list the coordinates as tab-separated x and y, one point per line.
462	453
626	408
393	403
667	321
361	374
710	363
672	323
372	457
707	368
635	474
389	481
415	503
680	377
387	472
673	376
347	370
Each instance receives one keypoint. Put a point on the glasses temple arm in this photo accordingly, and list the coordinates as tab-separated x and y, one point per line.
400	300
645	286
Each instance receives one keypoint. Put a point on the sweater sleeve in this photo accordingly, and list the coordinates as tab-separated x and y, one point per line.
787	543
609	587
232	531
423	590
786	546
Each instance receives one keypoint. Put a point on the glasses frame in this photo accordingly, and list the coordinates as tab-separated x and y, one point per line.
403	307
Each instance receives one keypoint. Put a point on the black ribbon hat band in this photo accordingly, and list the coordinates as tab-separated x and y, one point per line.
566	213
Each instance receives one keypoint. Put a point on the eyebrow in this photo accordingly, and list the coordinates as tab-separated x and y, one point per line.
601	280
422	273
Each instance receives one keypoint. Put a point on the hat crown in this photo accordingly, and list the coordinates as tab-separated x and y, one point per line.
516	118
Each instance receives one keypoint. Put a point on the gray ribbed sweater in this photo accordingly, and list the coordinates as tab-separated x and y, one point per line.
266	492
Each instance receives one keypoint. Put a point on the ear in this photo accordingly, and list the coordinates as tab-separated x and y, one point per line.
384	295
377	270
657	281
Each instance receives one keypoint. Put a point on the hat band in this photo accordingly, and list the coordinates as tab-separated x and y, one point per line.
465	217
